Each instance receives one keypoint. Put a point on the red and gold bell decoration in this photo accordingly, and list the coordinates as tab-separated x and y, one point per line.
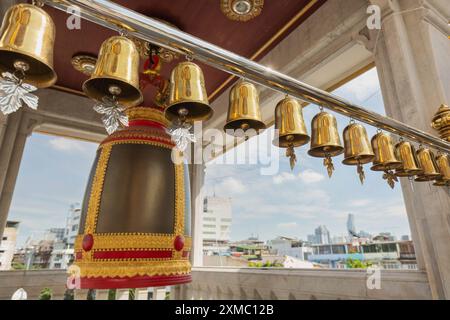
244	112
325	139
27	37
427	162
135	225
188	100
443	164
290	128
406	153
116	73
357	148
385	158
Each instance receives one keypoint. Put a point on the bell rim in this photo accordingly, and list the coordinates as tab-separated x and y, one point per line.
442	183
318	151
383	167
50	69
124	101
261	124
299	140
408	172
171	111
427	177
362	159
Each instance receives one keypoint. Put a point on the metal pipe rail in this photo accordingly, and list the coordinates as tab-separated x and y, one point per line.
121	19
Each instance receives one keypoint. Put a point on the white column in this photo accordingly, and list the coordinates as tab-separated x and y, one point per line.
80	294
141	294
412	55
197	176
15	130
159	293
101	294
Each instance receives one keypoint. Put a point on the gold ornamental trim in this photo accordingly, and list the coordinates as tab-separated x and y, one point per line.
107	269
96	190
112	241
147	113
252	9
162	144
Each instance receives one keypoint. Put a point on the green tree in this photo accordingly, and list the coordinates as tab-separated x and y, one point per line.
46	294
357	264
69	294
112	294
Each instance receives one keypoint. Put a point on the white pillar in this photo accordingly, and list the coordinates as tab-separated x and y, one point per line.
80	294
141	294
159	293
14	132
197	176
412	55
101	294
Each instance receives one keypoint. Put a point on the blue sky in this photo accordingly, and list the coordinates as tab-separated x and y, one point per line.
54	174
295	203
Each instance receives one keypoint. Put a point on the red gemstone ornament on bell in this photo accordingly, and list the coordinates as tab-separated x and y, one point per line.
88	242
179	243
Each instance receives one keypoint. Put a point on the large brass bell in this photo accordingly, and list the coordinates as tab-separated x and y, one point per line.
407	155
428	164
188	99
116	73
27	37
243	111
443	163
357	148
290	128
325	139
385	158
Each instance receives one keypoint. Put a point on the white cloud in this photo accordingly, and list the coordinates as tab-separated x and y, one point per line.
360	202
70	145
362	87
310	176
287	225
229	186
284	177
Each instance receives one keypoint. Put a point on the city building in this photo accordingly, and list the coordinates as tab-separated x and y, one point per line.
351	226
8	245
284	246
387	255
322	235
72	225
216	224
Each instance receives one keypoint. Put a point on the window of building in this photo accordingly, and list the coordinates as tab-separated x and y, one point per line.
209	226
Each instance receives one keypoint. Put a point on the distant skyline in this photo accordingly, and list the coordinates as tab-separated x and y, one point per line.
294	203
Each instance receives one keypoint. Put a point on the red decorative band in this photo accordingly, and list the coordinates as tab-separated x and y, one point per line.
145	123
78	255
133	282
185	254
133	254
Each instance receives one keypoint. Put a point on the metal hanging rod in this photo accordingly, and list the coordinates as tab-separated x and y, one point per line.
121	19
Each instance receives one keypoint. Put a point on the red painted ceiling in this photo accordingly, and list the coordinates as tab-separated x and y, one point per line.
201	18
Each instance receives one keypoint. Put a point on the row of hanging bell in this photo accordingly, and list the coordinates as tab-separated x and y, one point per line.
27	37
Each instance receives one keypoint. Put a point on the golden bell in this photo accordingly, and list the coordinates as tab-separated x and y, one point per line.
407	155
441	122
290	124
116	72
243	110
428	164
357	148
325	139
290	128
188	98
27	37
385	158
443	163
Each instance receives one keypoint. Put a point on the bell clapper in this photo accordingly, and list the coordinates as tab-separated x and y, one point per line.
328	163
390	177
360	170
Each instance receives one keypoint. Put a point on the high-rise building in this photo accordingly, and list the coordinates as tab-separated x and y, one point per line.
217	218
72	225
322	235
8	245
351	225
